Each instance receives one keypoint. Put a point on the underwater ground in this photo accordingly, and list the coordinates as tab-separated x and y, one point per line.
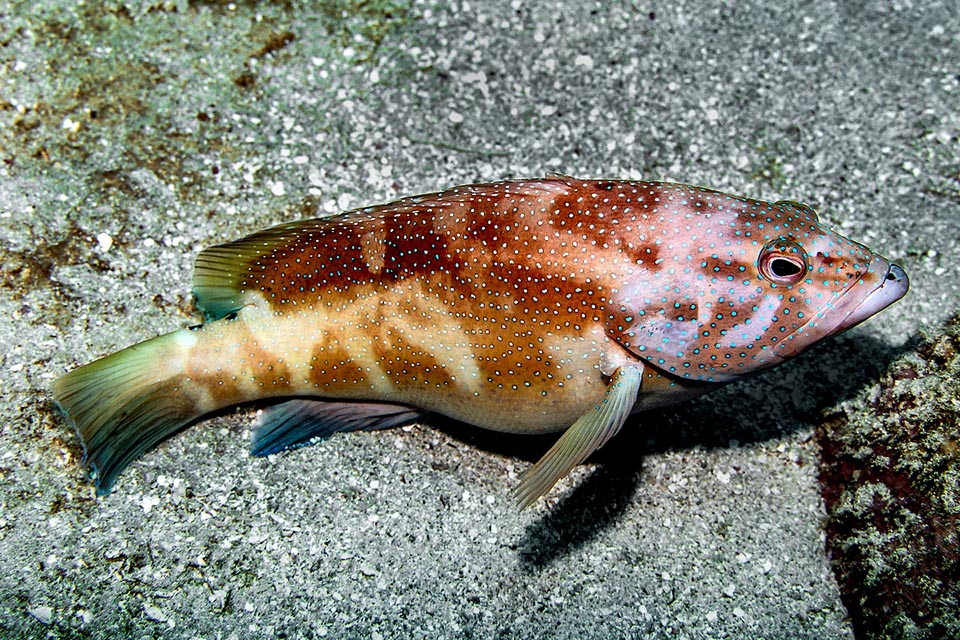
133	134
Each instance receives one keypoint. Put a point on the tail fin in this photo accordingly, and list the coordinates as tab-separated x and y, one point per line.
126	403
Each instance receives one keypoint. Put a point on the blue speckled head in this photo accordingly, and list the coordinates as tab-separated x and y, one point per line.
725	286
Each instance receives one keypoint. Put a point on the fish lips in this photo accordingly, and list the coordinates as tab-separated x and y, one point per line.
852	307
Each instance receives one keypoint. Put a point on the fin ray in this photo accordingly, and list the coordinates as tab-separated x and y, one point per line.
294	423
123	405
218	271
590	432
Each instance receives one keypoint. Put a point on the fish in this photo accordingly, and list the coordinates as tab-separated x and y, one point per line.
527	306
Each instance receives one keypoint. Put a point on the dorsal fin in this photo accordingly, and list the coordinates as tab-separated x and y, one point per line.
218	271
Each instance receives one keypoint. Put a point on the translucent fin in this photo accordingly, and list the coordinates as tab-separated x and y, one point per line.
296	423
124	404
585	436
219	271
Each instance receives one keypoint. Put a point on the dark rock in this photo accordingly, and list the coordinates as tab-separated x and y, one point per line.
890	478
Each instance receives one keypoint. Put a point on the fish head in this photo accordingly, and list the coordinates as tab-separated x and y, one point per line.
741	285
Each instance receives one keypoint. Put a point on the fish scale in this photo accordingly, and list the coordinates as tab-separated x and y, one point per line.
527	306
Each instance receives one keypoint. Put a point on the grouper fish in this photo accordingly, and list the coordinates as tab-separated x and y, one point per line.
549	305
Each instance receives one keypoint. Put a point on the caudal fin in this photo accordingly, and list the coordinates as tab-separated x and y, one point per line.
125	404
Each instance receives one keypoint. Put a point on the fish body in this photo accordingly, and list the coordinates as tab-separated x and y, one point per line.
527	306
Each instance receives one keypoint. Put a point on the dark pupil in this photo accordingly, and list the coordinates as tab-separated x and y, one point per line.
784	268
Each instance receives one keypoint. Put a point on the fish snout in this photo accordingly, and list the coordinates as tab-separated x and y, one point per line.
866	298
892	286
897	280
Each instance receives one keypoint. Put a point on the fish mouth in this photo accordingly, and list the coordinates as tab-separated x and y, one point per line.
894	286
851	308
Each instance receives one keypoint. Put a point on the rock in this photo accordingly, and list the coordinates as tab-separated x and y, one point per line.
890	478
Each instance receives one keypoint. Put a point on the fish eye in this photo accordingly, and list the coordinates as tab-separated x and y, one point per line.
783	261
784	268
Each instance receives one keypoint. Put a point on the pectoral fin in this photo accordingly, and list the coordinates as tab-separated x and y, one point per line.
585	436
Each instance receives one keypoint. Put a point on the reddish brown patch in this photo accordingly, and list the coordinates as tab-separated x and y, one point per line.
274	42
412	248
333	373
272	377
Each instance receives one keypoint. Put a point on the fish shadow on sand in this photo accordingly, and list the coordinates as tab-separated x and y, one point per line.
771	405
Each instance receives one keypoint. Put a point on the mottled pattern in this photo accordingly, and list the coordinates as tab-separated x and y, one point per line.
513	305
890	479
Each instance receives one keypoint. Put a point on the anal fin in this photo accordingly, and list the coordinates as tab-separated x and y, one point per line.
590	432
296	423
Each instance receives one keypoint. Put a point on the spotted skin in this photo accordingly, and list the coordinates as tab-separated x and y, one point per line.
524	306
